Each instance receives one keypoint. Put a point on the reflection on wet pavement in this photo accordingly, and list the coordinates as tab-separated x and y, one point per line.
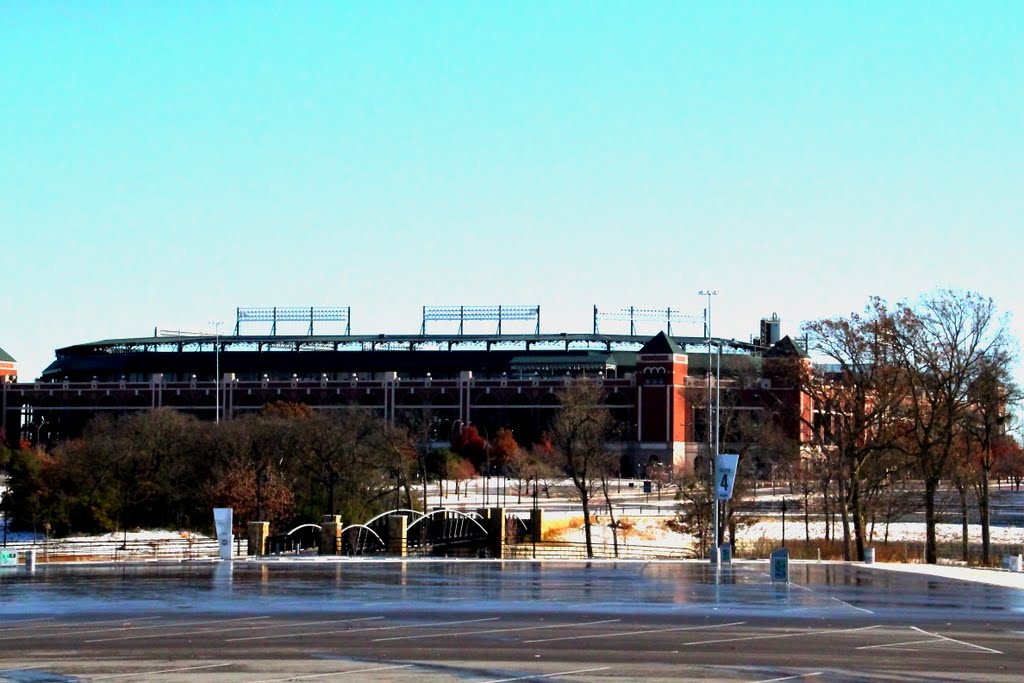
624	587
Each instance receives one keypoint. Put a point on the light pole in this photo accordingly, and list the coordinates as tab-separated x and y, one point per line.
712	435
216	372
39	430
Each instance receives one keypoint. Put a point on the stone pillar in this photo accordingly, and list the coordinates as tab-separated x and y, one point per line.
496	533
330	535
258	532
398	535
537	525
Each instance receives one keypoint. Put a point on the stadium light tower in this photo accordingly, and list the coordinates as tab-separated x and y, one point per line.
712	435
216	372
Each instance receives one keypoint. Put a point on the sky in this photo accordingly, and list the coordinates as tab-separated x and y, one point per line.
164	163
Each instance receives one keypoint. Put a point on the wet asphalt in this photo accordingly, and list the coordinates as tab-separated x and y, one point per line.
496	621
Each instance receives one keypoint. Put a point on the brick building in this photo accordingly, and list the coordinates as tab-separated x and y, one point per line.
655	387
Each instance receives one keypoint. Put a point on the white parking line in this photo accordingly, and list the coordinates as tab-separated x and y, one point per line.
333	673
960	642
897	646
933	638
791	678
634	633
495	630
69	625
172	625
161	671
843	602
360	630
534	677
782	635
204	632
25	621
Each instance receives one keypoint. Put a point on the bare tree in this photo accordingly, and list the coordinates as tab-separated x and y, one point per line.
578	433
943	345
855	399
989	396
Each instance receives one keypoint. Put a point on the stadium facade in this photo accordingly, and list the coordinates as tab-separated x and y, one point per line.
656	387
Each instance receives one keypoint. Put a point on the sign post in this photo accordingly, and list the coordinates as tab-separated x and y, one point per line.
725	479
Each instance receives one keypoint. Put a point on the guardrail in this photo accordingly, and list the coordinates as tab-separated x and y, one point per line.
90	549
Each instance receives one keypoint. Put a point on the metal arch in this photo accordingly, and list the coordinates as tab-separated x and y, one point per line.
303	526
397	511
363	526
450	512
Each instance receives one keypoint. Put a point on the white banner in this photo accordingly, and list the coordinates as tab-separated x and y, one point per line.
725	474
222	521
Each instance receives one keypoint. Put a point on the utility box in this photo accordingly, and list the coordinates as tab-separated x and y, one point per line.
780	565
8	558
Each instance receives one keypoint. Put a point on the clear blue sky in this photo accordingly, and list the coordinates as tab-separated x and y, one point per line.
166	162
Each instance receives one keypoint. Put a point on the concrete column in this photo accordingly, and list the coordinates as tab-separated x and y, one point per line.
227	398
398	535
330	535
496	529
258	532
537	525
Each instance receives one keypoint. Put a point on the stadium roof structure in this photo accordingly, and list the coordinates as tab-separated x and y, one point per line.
412	342
6	357
306	355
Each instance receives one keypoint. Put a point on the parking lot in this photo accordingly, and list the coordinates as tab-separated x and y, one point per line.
501	621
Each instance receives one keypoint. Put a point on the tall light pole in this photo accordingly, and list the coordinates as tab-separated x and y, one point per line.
216	372
712	435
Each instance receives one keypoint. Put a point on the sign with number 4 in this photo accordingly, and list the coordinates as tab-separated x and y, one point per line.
725	474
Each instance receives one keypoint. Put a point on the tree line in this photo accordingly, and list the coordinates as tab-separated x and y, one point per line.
286	464
916	394
905	403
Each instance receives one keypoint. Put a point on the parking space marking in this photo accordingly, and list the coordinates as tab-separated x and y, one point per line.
960	642
843	602
362	630
633	633
70	625
791	678
172	625
781	635
161	671
25	621
899	646
203	632
494	630
334	673
933	638
535	677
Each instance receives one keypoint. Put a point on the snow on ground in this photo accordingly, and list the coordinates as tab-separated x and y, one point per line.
643	519
657	531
